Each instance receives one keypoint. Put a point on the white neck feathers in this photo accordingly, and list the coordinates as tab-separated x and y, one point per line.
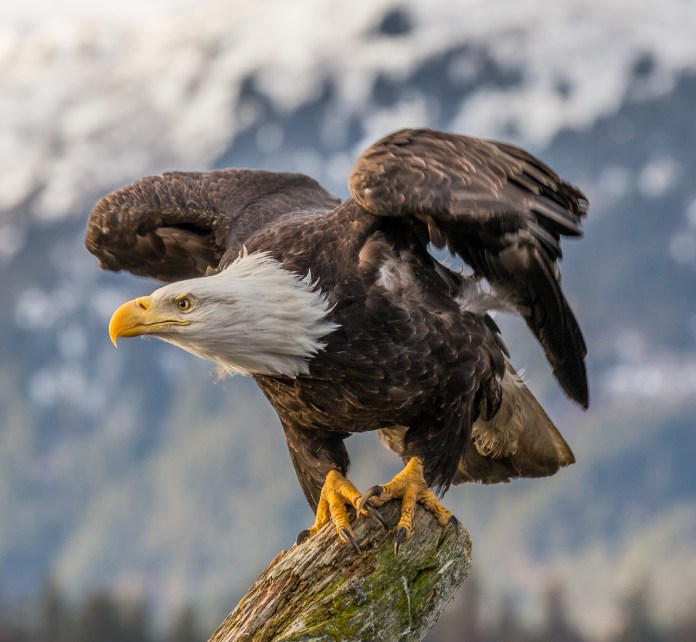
254	317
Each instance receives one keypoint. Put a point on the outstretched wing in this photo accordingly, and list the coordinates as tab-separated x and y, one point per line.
179	225
501	210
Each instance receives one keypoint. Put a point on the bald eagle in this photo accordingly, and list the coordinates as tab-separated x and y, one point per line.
349	324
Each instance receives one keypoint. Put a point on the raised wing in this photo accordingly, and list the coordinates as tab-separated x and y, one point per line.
179	225
500	209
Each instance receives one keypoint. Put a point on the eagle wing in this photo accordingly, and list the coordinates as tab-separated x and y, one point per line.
179	225
501	210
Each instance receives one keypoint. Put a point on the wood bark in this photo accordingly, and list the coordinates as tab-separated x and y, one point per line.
323	591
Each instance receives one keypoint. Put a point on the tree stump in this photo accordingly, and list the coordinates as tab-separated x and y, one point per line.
322	590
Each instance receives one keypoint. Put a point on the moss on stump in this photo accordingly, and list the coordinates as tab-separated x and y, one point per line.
323	591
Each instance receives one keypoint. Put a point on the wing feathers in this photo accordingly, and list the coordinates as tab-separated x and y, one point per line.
180	224
167	227
502	210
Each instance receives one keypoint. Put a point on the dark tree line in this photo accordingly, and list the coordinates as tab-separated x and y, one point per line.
461	621
100	616
52	618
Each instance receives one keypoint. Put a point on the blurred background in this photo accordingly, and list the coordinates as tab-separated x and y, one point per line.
139	499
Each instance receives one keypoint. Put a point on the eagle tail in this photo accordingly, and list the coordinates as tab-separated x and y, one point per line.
520	440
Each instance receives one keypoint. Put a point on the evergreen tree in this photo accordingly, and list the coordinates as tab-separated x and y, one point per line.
558	627
53	616
102	618
639	626
509	628
185	627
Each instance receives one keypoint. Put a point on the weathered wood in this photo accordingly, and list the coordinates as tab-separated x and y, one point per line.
324	591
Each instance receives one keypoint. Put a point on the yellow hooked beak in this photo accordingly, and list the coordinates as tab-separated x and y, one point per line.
138	317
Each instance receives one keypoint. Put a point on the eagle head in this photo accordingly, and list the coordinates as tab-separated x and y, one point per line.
253	317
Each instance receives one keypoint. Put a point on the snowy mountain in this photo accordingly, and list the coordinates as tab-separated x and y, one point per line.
132	470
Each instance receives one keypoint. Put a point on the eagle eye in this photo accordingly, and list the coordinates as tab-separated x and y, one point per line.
184	304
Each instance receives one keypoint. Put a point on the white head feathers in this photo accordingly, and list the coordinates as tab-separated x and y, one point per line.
253	317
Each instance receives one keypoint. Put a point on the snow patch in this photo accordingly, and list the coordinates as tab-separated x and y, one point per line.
658	176
90	102
666	378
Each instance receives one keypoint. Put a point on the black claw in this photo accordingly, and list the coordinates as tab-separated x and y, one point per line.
400	537
302	536
375	491
377	515
348	537
455	522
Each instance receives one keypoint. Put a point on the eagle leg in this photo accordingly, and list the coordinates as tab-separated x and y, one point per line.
410	486
336	492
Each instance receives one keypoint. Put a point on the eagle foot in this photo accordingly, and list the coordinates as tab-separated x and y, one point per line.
410	486
336	493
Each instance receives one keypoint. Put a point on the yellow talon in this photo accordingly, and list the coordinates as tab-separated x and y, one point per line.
410	486
336	492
